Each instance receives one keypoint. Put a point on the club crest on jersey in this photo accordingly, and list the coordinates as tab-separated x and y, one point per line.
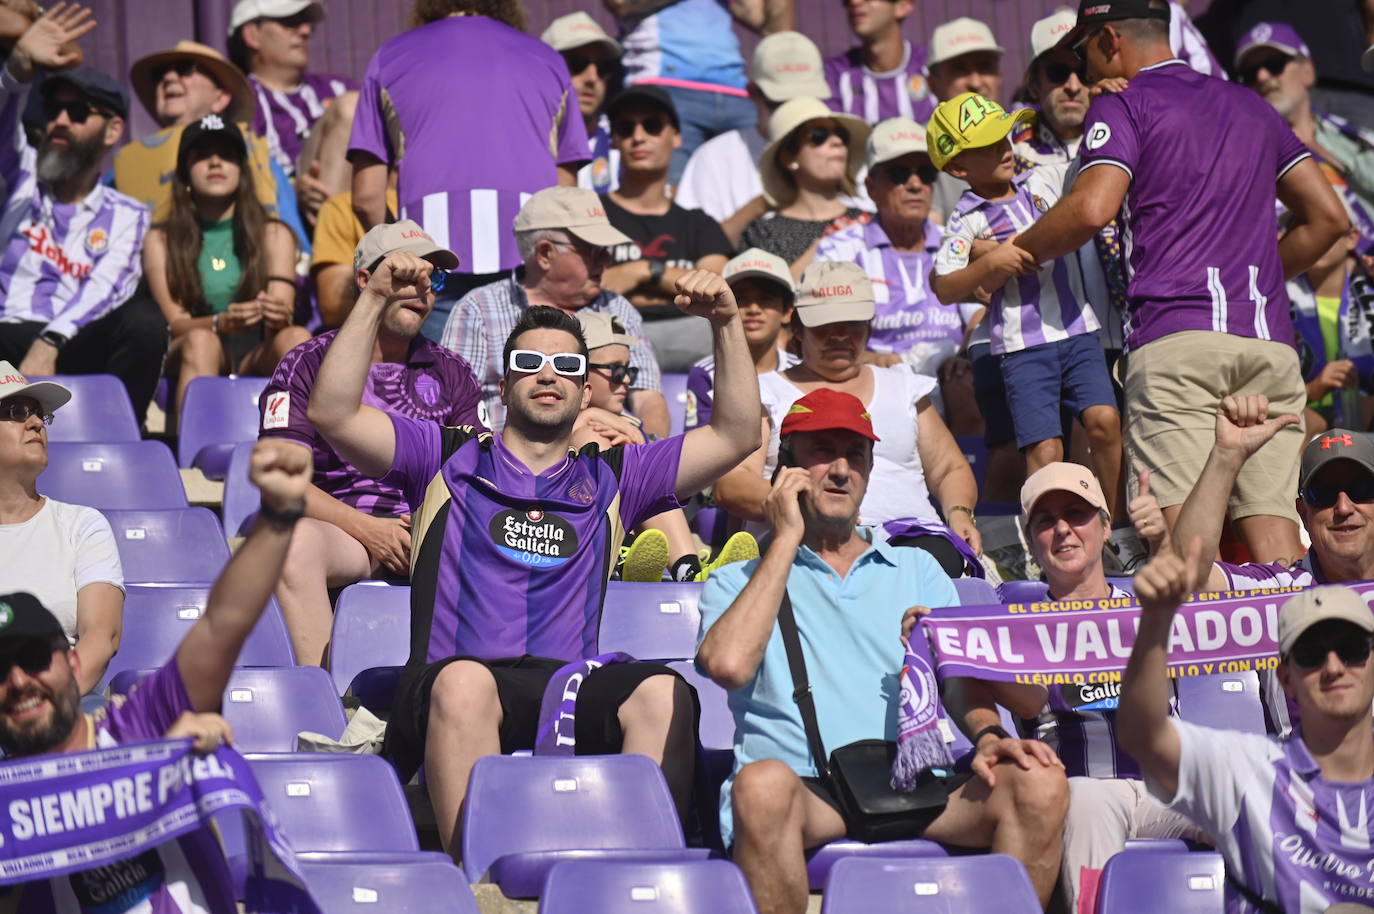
916	86
533	537
958	247
97	240
1040	203
1098	134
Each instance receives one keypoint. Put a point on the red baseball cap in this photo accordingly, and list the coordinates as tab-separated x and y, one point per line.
823	410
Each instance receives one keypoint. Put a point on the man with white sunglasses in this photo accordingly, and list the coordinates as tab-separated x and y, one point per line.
514	539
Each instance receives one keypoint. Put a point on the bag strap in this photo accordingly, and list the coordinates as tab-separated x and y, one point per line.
801	691
1259	904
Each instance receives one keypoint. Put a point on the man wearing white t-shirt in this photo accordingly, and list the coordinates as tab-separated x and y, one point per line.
1290	817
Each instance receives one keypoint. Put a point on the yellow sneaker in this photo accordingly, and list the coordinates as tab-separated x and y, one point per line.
646	558
739	548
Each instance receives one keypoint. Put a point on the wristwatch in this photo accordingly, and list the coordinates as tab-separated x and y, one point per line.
54	339
656	268
1001	734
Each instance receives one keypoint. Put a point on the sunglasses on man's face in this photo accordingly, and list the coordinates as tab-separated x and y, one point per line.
568	364
900	174
77	110
624	127
33	657
1056	74
182	68
617	374
577	65
817	136
1324	495
1080	47
1311	651
22	411
1274	65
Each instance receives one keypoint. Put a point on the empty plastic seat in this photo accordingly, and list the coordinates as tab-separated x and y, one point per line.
622	887
820	861
241	498
371	629
327	802
123	475
184	546
1223	701
394	884
651	621
975	592
99	410
218	413
523	815
268	706
675	392
157	618
1180	882
717	729
986	882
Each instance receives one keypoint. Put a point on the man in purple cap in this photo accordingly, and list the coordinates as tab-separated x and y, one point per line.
1205	271
885	75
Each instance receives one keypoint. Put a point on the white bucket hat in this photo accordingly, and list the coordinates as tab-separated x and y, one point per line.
50	396
790	115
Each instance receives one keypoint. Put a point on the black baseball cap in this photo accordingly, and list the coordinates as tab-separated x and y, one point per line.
1092	13
101	89
212	126
1336	444
23	616
648	95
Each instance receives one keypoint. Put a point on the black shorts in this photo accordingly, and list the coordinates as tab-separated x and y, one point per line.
520	683
920	820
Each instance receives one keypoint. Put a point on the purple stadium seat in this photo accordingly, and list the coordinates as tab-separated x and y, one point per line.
123	475
218	414
976	452
268	706
675	392
650	621
328	802
1224	701
1156	844
975	592
1180	882
371	628
1038	591
99	410
717	730
523	815
157	618
821	860
184	546
392	883
985	882
241	500
620	887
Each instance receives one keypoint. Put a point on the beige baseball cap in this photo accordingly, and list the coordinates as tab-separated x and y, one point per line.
961	36
1062	477
788	65
1046	33
571	209
602	329
406	235
892	139
1320	604
832	291
576	30
48	394
759	264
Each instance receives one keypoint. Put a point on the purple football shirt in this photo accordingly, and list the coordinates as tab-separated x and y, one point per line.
903	92
506	562
476	117
434	384
285	118
1200	233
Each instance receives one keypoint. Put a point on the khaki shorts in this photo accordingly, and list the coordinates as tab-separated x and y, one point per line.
1174	386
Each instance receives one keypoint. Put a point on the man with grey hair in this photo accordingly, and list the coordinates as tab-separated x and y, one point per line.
564	239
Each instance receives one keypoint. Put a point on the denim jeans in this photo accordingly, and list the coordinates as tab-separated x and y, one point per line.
703	115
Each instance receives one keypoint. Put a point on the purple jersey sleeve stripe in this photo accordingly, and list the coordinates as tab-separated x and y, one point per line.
1105	161
1293	161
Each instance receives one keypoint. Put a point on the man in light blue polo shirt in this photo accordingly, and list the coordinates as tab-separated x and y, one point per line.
852	597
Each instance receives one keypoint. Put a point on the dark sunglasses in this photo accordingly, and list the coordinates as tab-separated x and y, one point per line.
22	410
1275	64
816	136
618	374
1360	491
290	22
1310	653
624	127
577	64
900	174
77	110
32	657
1056	74
182	68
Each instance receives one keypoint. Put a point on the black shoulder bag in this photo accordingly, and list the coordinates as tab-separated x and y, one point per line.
860	773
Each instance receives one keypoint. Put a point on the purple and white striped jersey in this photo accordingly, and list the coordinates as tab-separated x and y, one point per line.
1199	230
701	386
903	92
285	118
433	384
1029	310
1287	834
64	264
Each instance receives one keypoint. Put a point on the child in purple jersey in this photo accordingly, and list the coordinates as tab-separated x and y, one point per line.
40	704
515	537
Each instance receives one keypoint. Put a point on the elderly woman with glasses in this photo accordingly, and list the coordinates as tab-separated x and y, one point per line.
64	555
807	169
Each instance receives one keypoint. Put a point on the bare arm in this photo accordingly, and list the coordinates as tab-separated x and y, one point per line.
334	289
973	705
387	539
240	316
985	274
651	409
567	176
1318	217
947	470
743	490
369	189
1093	201
734	226
281	470
99	622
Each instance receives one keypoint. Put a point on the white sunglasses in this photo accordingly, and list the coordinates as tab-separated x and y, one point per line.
568	364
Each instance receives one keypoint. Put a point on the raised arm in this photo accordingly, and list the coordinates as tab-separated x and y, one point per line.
363	435
742	491
49	43
1318	218
281	470
708	452
1094	200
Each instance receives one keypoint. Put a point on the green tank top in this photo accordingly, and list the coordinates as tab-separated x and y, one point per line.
219	265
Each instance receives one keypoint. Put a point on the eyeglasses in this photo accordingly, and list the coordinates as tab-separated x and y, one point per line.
577	64
816	136
1056	74
1275	64
568	364
22	410
1310	652
182	68
1318	496
617	374
624	127
32	657
590	253
900	174
77	110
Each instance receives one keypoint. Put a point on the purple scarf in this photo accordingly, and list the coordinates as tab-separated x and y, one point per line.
920	745
557	733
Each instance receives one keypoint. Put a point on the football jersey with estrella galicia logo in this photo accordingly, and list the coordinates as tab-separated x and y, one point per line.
1200	233
506	562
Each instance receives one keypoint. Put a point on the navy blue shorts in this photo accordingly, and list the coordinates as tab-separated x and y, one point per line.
1071	373
991	395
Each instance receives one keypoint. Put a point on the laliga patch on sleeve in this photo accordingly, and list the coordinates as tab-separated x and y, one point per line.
1097	135
278	411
